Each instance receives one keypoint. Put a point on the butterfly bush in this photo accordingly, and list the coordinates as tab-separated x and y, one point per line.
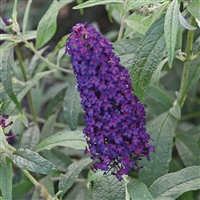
114	116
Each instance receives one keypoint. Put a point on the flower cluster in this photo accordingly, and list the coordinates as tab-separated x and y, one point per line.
4	125
114	117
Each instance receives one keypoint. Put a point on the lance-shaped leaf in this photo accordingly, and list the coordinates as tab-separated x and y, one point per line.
6	77
31	161
171	186
188	149
193	7
47	25
71	106
138	190
91	3
184	23
126	50
161	130
148	56
48	128
72	173
137	3
73	139
30	137
112	188
6	177
171	29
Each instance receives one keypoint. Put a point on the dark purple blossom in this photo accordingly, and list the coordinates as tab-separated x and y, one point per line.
114	116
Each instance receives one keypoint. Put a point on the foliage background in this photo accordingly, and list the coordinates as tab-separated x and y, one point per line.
38	92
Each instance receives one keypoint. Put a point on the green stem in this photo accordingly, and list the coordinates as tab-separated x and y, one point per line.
30	102
188	51
41	189
30	46
190	116
41	120
122	27
30	177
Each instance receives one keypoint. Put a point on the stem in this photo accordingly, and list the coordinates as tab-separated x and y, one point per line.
30	101
30	177
30	46
188	51
121	30
41	120
190	116
43	194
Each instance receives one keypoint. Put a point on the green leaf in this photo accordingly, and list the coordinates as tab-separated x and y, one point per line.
31	161
157	96
73	139
59	159
171	29
91	3
188	149
112	188
47	183
184	23
194	7
26	14
161	130
31	137
6	177
137	3
72	173
71	106
14	12
47	25
138	22
176	111
48	128
28	36
138	190
157	74
8	105
148	56
171	186
64	3
125	50
7	61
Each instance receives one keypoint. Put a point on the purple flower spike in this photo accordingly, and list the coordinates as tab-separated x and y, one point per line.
114	116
